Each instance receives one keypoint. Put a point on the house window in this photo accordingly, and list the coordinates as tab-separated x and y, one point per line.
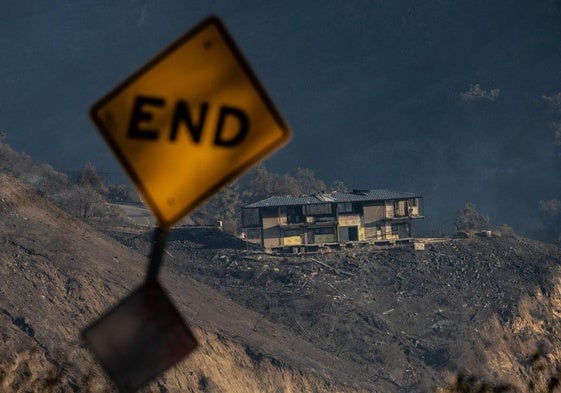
318	209
413	202
395	229
294	214
250	217
292	232
324	231
399	208
346	207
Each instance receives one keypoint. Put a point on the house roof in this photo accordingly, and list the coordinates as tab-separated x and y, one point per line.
339	197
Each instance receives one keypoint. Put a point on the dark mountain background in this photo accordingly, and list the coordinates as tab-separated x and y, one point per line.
443	98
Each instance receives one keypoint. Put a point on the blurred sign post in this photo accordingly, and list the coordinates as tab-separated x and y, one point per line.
139	338
184	125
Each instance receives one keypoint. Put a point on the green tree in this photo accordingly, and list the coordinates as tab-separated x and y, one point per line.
470	220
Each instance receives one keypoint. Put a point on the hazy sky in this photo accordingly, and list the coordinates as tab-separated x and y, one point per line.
380	94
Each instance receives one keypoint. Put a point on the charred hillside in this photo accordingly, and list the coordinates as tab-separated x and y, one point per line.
412	319
358	319
59	274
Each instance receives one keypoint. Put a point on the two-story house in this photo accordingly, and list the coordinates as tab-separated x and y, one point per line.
331	218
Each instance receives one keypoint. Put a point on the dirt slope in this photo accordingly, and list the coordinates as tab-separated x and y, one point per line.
58	274
412	319
361	319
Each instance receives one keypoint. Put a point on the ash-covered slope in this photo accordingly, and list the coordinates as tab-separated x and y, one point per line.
416	320
58	274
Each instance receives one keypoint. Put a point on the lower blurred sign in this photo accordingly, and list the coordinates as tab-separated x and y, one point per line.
140	338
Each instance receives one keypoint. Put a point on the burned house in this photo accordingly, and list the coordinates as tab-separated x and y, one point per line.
331	218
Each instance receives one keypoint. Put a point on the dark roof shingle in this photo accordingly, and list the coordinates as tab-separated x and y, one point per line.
354	196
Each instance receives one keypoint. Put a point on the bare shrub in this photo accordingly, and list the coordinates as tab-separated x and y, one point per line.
469	220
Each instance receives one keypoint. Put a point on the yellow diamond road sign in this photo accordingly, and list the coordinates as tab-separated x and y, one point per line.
191	120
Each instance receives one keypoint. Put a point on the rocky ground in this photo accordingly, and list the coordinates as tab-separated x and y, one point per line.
416	320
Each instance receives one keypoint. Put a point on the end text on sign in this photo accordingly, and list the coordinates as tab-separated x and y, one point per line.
146	107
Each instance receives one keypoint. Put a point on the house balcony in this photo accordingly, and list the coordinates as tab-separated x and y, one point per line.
404	218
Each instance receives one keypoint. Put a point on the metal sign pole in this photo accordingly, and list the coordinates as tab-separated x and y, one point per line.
144	334
156	256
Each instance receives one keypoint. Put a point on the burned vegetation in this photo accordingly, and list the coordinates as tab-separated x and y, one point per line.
414	319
